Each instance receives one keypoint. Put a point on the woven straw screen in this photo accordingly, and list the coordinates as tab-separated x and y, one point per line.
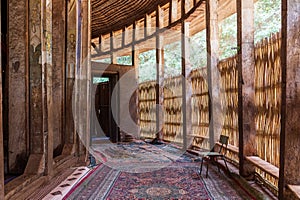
229	102
172	128
229	98
147	109
200	108
268	100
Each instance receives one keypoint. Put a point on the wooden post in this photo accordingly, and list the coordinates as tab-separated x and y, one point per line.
1	120
112	53
47	76
212	39
185	70
70	134
290	127
159	68
83	75
59	74
173	11
123	36
18	86
246	63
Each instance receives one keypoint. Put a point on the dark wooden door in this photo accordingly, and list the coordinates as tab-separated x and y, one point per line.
102	106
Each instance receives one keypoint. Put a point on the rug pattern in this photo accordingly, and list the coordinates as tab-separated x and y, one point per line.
178	179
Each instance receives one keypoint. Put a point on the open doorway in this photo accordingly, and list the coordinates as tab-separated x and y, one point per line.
104	126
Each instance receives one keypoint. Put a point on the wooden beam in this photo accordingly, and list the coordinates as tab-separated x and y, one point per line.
245	20
162	30
290	113
212	38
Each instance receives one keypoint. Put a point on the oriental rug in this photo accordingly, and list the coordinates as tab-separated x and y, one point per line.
172	178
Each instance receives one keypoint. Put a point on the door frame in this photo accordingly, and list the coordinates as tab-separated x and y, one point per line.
113	126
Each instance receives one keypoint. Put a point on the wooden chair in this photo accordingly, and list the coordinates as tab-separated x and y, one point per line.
212	156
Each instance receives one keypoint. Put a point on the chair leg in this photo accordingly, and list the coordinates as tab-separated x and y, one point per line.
201	166
226	165
207	169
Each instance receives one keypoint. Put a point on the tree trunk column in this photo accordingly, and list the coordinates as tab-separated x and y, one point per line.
59	8
246	63
1	127
41	101
70	133
212	39
83	74
290	137
18	113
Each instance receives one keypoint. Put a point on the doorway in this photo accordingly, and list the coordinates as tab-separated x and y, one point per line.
104	126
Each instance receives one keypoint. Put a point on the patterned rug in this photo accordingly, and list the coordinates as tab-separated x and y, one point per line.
178	180
138	157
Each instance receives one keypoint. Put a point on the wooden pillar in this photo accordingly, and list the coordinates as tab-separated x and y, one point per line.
186	69
70	132
290	127
113	57
47	76
59	46
212	40
18	128
83	74
246	63
159	70
1	120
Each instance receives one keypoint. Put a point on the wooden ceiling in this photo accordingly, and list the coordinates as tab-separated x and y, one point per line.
108	15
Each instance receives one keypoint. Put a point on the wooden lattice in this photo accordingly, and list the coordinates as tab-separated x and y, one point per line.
268	100
172	128
147	109
200	108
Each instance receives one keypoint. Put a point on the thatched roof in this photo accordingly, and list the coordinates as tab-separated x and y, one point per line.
110	15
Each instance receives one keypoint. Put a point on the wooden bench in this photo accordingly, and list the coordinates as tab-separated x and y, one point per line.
295	189
264	166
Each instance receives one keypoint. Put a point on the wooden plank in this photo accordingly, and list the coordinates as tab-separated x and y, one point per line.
263	165
295	189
